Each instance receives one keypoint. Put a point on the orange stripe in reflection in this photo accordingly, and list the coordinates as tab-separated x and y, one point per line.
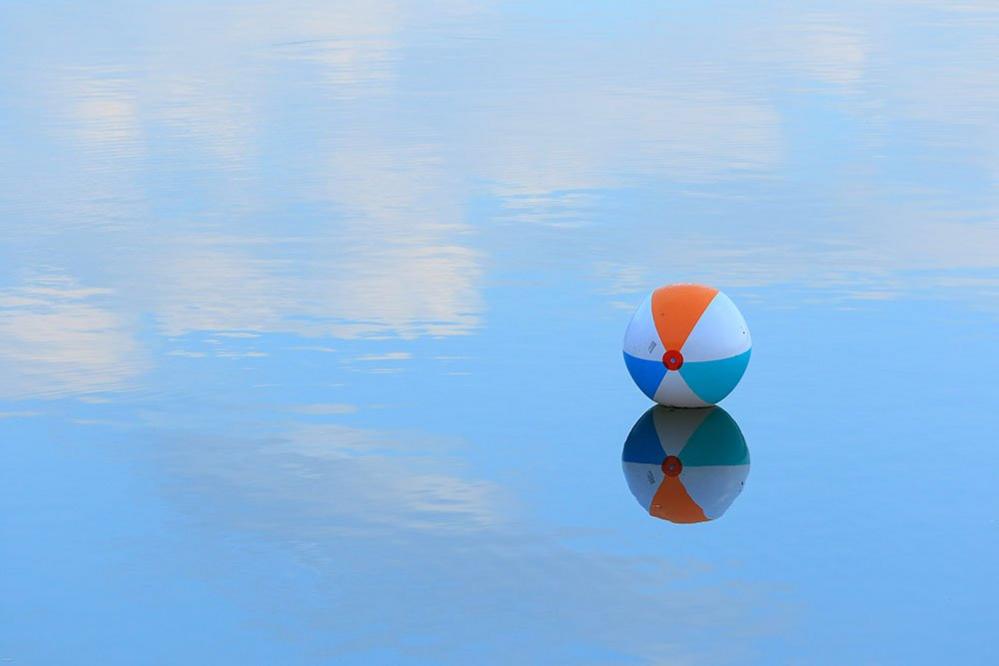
672	502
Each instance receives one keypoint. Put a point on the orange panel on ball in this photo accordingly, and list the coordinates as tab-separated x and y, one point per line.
676	309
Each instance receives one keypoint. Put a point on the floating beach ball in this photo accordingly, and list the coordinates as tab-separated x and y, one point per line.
687	345
685	465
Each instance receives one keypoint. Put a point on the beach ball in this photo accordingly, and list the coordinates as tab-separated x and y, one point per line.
685	465
687	345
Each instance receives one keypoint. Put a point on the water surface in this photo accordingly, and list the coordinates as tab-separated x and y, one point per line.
311	313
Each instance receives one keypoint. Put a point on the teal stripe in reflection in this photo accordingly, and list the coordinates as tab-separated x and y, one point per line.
718	441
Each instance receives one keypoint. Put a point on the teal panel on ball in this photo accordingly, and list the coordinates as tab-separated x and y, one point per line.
647	374
713	380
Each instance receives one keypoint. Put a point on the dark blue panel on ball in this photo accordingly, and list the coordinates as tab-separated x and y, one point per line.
647	374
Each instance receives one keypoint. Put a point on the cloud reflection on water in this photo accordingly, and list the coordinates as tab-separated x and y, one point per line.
58	338
371	514
392	163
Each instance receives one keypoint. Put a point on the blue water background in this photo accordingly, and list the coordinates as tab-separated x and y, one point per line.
311	314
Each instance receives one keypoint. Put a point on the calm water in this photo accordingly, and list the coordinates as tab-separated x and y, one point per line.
311	313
